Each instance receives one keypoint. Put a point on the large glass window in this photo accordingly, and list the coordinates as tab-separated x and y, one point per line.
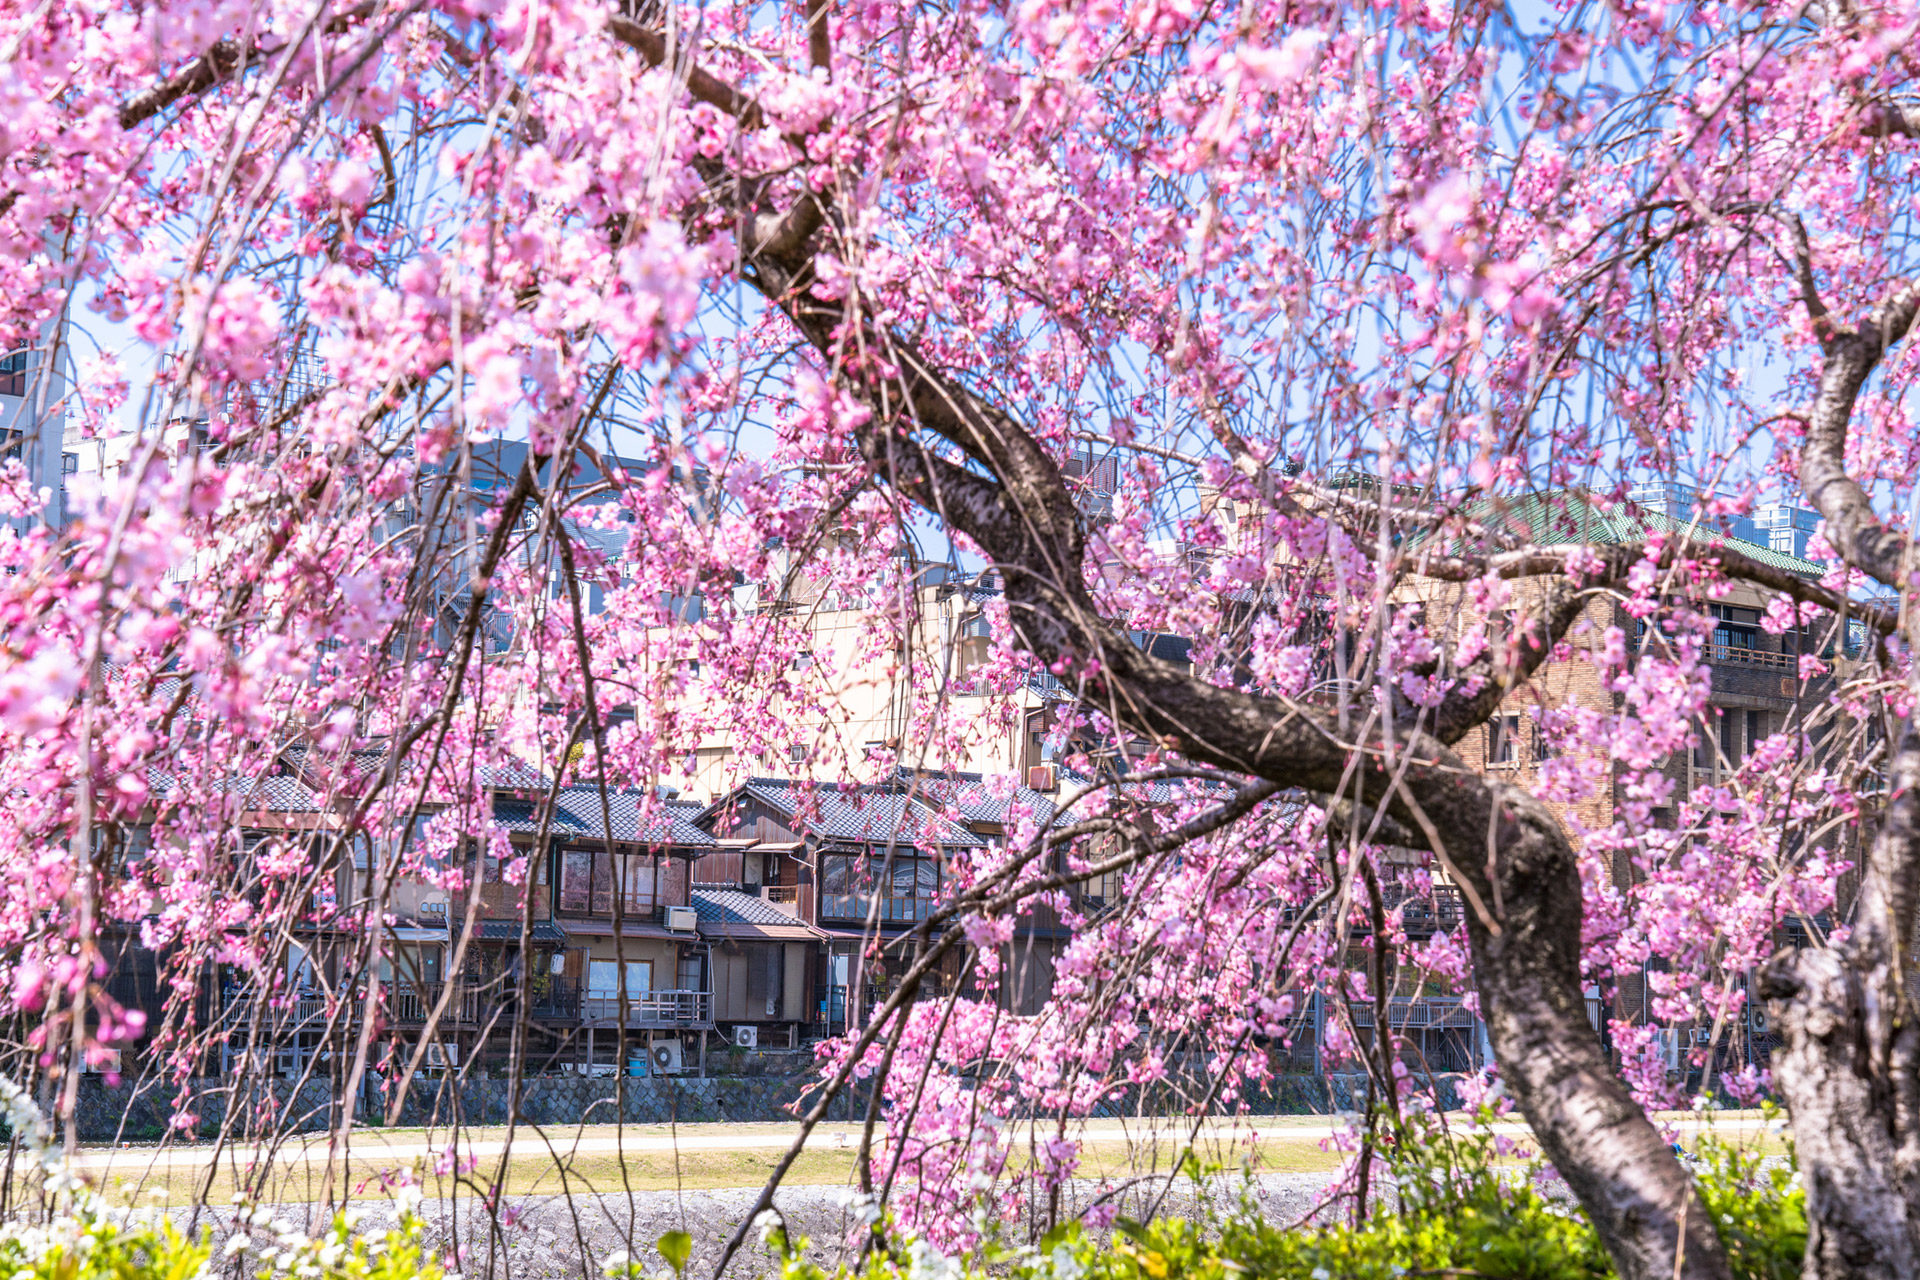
850	882
576	874
589	879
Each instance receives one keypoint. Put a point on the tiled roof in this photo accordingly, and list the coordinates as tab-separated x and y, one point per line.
577	815
865	815
980	799
509	930
275	793
1576	516
733	912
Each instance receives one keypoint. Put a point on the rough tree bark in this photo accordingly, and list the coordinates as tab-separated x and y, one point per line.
1850	1066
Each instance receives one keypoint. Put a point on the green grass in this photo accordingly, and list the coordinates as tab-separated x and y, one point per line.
534	1171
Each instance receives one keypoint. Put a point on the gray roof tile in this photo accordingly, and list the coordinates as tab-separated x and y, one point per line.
863	815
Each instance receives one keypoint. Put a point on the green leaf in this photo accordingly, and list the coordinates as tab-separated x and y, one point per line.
676	1247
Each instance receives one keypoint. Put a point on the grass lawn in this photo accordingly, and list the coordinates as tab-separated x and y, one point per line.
535	1171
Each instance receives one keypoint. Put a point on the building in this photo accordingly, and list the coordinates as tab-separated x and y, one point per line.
858	863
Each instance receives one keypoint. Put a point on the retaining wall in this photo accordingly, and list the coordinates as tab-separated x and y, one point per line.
129	1112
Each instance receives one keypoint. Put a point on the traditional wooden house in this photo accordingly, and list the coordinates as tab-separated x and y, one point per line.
859	864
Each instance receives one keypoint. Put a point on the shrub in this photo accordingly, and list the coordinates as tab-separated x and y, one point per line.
1460	1211
84	1237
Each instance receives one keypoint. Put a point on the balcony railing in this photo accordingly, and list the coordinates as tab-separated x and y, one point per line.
408	1004
1744	656
859	907
784	896
279	1015
649	1008
1417	1012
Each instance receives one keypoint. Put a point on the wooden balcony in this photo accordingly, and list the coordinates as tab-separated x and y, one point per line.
409	1004
1742	655
784	896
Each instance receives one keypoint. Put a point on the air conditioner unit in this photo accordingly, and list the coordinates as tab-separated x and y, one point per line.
108	1061
442	1056
746	1037
682	919
1668	1042
665	1057
1041	777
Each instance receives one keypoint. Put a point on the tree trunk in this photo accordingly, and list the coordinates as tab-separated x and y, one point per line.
1850	1068
1642	1202
1512	851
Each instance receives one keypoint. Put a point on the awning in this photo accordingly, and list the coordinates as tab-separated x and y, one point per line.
418	933
733	913
761	932
604	929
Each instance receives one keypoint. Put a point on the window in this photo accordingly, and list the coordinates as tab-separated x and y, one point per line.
1737	633
13	373
802	660
849	884
588	882
1703	745
603	979
409	963
1104	888
689	976
796	754
1756	728
1503	733
1730	739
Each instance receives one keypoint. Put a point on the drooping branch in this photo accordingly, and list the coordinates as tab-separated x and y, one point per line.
1017	508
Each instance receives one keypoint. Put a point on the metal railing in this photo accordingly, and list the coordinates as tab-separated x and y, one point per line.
1417	1012
280	1013
649	1008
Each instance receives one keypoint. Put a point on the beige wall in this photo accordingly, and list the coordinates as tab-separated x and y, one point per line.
856	694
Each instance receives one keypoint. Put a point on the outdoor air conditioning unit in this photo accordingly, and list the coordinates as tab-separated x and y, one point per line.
746	1037
442	1056
682	919
665	1057
107	1061
1757	1020
1668	1041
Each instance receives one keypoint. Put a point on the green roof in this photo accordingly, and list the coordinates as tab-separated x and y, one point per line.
1576	516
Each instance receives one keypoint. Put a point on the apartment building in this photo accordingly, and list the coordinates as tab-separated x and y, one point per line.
33	416
1757	690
